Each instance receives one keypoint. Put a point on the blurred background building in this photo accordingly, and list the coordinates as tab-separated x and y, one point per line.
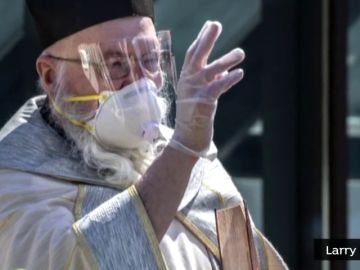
289	134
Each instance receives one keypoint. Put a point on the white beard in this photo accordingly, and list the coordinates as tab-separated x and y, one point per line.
118	166
122	167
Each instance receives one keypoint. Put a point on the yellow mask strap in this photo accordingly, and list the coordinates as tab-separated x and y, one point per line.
75	122
87	98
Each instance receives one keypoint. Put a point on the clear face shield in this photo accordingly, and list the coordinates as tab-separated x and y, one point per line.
128	83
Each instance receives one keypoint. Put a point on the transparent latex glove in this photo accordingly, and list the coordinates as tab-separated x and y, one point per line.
199	87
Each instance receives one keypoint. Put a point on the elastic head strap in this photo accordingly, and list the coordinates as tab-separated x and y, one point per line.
86	98
75	122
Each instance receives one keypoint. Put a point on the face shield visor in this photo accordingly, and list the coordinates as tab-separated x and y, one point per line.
127	84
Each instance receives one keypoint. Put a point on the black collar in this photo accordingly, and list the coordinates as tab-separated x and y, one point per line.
46	114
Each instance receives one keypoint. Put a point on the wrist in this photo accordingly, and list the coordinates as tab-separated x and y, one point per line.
179	155
178	145
196	139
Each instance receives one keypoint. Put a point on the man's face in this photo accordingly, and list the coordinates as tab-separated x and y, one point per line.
63	79
114	37
112	40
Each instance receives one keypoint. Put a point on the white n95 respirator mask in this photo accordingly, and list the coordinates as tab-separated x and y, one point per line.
128	118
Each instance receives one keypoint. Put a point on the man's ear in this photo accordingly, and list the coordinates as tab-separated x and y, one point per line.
46	69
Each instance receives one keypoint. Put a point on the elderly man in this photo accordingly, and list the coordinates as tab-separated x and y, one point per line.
90	176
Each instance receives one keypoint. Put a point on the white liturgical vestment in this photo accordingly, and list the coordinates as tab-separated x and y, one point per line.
57	213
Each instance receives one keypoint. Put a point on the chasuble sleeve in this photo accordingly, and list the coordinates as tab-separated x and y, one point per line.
38	228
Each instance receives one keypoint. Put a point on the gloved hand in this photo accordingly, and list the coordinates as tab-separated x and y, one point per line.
199	87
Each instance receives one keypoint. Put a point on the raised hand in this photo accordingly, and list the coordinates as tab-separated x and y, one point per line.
199	88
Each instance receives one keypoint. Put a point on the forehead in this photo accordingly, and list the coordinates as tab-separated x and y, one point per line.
124	28
136	45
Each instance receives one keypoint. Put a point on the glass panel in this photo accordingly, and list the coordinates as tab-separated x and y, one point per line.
19	48
11	27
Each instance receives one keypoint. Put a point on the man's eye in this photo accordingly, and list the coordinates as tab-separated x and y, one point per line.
117	64
113	62
118	68
151	62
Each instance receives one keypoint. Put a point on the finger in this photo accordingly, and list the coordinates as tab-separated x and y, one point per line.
194	45
206	44
223	64
220	86
222	75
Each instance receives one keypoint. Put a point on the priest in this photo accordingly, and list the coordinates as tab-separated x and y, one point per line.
91	176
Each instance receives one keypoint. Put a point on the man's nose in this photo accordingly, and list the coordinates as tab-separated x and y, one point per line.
136	73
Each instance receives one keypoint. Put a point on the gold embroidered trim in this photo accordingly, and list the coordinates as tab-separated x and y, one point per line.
264	247
85	247
199	234
148	227
79	201
217	193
